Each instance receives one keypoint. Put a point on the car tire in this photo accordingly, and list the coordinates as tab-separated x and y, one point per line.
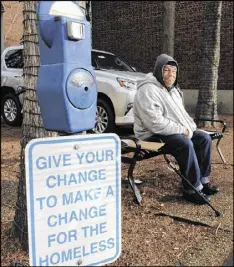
11	110
105	119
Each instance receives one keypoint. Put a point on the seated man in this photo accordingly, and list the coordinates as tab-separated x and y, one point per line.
159	113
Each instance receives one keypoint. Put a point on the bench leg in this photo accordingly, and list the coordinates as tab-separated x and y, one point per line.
132	183
219	151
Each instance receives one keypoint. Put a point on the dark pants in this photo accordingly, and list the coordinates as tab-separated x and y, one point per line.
193	156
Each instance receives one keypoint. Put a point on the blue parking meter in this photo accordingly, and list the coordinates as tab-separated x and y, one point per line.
66	84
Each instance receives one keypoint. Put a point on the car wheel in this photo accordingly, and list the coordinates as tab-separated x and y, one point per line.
11	110
105	120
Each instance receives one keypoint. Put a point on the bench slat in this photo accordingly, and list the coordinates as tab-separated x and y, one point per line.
153	146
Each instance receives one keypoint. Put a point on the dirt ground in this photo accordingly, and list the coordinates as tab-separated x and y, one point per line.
164	231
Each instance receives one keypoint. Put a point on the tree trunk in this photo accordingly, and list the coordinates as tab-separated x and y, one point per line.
168	27
207	97
32	126
88	12
2	29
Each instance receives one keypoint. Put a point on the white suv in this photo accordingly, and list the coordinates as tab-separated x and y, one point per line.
116	83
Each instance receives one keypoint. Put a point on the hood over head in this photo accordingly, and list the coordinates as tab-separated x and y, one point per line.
161	61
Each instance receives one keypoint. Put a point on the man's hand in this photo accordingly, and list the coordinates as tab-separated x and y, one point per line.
186	132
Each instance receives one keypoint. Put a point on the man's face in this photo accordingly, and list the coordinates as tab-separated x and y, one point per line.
169	75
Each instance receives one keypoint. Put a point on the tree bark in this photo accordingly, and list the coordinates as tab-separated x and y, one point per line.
168	27
32	126
207	97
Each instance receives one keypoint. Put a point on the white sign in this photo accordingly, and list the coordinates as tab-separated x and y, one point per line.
74	200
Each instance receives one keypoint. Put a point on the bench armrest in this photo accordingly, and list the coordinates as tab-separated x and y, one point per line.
219	121
134	139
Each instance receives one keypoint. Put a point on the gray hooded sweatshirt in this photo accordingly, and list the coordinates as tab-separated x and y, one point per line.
158	110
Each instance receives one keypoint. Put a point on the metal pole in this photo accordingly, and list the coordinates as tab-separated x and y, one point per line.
217	213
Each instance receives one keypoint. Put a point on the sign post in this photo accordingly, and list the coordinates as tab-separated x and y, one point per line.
74	200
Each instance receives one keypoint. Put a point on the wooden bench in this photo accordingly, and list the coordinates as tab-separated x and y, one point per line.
144	150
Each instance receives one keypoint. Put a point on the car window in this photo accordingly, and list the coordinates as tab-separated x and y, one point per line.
94	63
107	61
14	59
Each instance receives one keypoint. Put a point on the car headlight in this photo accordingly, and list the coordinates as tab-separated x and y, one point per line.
129	84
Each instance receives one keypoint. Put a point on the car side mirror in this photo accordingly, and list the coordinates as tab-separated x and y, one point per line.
134	68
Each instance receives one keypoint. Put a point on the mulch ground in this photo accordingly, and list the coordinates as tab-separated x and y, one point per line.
164	231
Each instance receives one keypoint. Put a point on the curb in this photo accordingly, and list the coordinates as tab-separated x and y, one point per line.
229	260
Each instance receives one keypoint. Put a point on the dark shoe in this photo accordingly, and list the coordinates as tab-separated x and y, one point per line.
209	189
195	198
